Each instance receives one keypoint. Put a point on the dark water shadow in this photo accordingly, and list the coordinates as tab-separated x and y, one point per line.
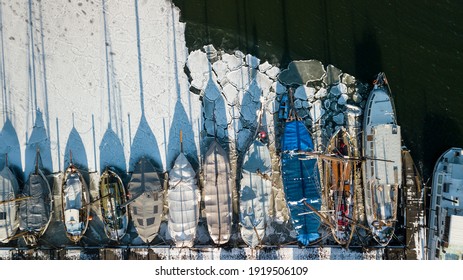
368	60
112	152
144	144
75	145
38	140
9	144
449	134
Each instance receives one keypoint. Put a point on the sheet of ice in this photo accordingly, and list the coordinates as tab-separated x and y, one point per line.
67	90
233	62
252	61
301	72
200	69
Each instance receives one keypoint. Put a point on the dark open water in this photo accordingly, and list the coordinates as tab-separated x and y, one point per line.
418	44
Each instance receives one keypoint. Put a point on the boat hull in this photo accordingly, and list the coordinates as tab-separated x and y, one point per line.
445	215
9	190
75	203
35	211
183	200
217	194
146	194
338	185
256	187
382	165
112	197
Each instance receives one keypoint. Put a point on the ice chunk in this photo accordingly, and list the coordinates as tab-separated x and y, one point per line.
339	119
273	72
301	72
199	68
231	94
220	68
357	98
212	92
279	88
255	91
252	61
316	112
265	66
265	83
305	104
321	93
220	113
244	137
242	77
298	104
211	52
333	75
338	90
232	61
305	93
343	99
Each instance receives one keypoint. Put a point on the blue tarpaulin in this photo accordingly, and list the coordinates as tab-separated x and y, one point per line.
301	181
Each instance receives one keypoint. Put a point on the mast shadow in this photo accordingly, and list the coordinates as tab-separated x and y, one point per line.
9	144
112	152
38	140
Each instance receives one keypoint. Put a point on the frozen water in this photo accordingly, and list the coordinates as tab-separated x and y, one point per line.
265	66
232	61
252	61
301	72
343	99
316	112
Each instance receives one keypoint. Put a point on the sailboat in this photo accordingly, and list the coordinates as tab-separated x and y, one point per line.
75	203
112	201
382	165
338	169
256	188
183	198
9	191
36	208
301	180
217	193
146	200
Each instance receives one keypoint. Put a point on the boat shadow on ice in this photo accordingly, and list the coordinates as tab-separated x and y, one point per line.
144	144
75	149
112	153
9	144
181	122
38	139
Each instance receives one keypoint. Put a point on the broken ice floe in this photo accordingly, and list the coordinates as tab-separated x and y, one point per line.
301	72
240	96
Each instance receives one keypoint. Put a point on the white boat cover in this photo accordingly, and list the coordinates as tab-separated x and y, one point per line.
9	218
256	187
35	212
146	200
71	219
218	193
72	204
183	198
